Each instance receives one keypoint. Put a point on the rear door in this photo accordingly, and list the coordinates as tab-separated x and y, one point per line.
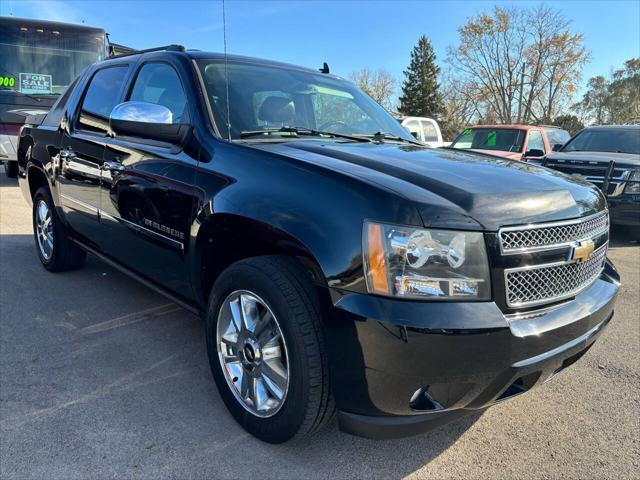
79	166
147	192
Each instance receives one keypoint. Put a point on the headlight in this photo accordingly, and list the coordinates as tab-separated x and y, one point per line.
633	187
431	264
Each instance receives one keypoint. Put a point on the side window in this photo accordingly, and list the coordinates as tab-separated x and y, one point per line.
159	83
414	128
429	130
535	141
101	96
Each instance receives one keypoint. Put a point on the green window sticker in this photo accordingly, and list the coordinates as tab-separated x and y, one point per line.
467	132
7	82
491	139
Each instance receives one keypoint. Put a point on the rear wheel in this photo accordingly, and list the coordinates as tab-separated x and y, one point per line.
11	169
266	348
56	252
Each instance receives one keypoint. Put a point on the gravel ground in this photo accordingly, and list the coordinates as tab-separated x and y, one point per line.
102	378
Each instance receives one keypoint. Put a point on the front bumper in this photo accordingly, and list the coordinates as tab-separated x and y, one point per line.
460	357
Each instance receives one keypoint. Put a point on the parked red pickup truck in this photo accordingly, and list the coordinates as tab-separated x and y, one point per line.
515	142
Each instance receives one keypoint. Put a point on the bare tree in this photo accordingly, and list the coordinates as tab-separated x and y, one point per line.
525	63
491	55
378	84
462	105
559	57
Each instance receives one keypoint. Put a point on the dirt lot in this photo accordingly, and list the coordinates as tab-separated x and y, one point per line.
102	378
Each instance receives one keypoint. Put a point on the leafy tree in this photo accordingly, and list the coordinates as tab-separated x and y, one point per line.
420	89
594	102
624	93
570	123
615	100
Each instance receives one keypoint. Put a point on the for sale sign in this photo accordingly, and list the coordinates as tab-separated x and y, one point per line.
35	83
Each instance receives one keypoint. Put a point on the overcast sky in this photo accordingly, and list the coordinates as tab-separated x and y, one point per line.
348	35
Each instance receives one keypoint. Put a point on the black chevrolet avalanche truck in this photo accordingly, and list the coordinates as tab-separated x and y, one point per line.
339	266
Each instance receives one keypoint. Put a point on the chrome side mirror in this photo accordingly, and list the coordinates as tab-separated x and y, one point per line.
146	120
142	112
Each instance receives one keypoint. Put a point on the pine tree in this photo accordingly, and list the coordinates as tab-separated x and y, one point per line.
420	95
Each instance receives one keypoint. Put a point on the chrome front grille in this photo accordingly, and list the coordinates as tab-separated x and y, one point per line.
533	285
555	262
552	235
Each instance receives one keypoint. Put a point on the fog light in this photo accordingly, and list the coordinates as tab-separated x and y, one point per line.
438	287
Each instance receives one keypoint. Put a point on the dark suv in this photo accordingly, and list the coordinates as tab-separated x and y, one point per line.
609	157
338	264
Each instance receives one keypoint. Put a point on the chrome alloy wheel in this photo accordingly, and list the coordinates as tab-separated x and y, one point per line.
253	353
44	229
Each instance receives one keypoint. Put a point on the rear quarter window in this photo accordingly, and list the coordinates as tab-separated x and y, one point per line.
103	93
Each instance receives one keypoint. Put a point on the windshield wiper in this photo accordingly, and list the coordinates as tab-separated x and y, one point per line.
382	136
302	131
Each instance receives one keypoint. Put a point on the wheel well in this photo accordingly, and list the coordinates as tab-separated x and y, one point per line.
37	179
227	239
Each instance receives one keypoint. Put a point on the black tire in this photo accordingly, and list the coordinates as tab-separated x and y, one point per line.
11	169
65	254
283	285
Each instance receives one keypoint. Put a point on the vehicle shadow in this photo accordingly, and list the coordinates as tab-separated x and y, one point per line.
109	364
6	181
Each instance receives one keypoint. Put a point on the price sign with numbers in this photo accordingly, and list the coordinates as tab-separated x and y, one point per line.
7	82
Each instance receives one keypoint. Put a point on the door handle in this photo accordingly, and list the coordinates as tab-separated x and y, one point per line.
113	166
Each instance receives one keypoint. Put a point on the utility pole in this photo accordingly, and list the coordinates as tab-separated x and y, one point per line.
519	120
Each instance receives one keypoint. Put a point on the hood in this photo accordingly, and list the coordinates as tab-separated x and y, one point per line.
593	158
453	188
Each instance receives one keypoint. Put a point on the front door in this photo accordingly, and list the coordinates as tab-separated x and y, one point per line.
79	166
148	191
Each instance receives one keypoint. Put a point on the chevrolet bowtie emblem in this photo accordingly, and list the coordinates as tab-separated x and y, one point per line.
582	252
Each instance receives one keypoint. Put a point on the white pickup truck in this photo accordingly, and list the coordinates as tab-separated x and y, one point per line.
426	130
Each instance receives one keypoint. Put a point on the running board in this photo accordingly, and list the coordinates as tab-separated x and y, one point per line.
130	273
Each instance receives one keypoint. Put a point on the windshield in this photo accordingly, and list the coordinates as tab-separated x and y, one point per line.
263	97
44	60
624	140
502	139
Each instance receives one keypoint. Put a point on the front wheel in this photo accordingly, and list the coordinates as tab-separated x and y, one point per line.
266	348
